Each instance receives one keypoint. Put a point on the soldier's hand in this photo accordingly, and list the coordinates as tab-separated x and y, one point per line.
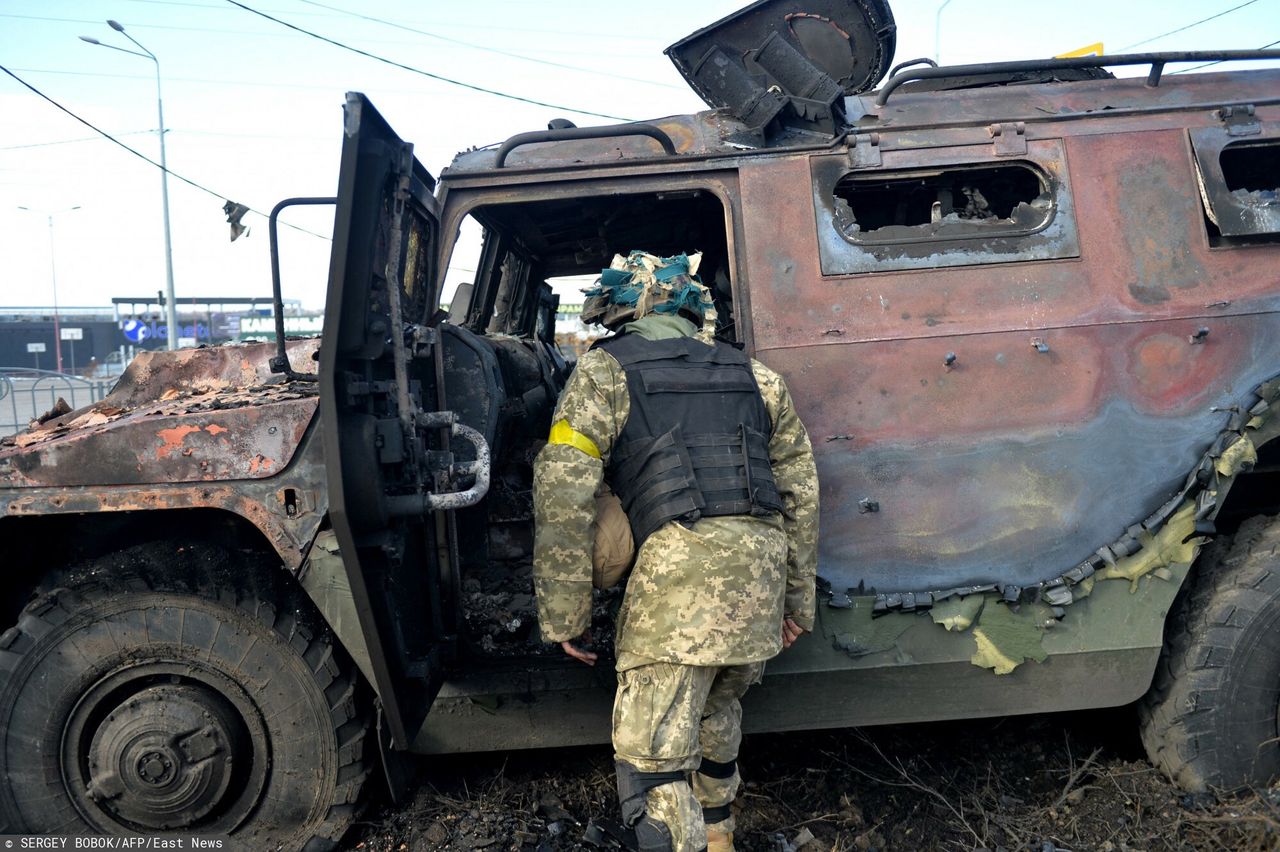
582	655
790	633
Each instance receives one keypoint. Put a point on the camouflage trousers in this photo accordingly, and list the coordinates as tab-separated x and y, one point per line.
669	717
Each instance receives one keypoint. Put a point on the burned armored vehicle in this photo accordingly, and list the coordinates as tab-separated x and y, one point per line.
1030	313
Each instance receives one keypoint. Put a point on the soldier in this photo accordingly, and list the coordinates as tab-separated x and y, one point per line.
716	474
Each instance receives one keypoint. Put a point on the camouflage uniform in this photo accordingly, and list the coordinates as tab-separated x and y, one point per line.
704	603
668	716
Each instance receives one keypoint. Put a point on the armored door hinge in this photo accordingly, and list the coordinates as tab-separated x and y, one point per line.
1009	139
420	340
1240	120
864	151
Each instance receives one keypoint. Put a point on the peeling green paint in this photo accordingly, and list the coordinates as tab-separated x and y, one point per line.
1004	636
957	613
858	634
1105	616
1005	639
1176	543
1242	455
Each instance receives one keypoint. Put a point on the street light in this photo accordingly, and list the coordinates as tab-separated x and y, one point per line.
171	307
937	32
53	278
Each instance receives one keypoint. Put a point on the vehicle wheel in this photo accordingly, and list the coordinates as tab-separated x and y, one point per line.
1212	716
134	701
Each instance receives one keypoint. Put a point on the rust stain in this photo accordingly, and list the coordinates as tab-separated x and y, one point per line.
1160	363
215	429
171	439
260	463
794	15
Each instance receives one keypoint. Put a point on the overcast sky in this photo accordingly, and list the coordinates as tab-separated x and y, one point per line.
254	109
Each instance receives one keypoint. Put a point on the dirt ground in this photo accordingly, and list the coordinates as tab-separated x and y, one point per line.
1046	783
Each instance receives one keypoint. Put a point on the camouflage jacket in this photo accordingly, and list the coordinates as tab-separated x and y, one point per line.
712	593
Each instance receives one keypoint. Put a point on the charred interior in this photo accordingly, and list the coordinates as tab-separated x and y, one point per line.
1011	198
503	373
1252	168
1242	197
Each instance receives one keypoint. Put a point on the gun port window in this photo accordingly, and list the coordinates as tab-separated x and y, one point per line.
1240	188
1252	175
963	207
1252	170
963	203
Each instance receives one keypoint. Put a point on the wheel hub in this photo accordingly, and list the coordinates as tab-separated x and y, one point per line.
156	768
163	757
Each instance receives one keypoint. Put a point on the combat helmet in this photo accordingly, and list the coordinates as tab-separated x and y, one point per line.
641	283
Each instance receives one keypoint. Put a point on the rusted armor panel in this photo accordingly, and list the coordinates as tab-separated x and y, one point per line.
1010	418
196	415
208	428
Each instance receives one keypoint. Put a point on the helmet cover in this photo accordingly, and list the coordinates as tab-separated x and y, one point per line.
641	284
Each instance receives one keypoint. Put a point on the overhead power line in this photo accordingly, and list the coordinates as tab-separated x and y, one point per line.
1219	62
1187	27
141	155
487	26
70	141
439	77
184	29
223	82
612	54
488	49
139	26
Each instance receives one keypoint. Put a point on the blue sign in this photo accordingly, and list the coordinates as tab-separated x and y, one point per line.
136	331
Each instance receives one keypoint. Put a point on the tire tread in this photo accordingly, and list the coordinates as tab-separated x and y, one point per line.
1233	583
143	569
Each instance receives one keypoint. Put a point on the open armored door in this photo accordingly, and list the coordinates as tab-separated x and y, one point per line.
391	478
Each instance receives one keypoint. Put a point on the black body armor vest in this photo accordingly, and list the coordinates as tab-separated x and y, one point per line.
696	443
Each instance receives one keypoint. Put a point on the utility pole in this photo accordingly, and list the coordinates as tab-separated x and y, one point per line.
171	303
937	33
53	279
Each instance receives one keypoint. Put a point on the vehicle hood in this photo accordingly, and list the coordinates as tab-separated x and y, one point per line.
194	415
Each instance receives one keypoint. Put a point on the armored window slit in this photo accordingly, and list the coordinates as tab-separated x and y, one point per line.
974	202
1239	187
939	207
1252	168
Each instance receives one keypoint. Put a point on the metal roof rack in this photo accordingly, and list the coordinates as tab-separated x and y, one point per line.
603	132
1157	61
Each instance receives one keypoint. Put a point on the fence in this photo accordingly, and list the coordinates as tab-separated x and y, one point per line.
25	394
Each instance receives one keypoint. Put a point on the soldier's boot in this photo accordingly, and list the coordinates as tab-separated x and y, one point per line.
717	782
651	835
719	841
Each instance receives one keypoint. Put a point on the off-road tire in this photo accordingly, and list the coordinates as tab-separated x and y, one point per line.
1210	718
127	656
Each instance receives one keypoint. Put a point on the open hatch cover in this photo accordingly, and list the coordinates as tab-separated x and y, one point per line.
789	63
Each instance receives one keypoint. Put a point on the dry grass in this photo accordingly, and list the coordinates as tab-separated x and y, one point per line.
1070	782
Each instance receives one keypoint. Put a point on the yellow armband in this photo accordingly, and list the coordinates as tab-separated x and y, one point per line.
563	433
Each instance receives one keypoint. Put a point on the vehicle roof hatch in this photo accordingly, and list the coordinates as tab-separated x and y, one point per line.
780	64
